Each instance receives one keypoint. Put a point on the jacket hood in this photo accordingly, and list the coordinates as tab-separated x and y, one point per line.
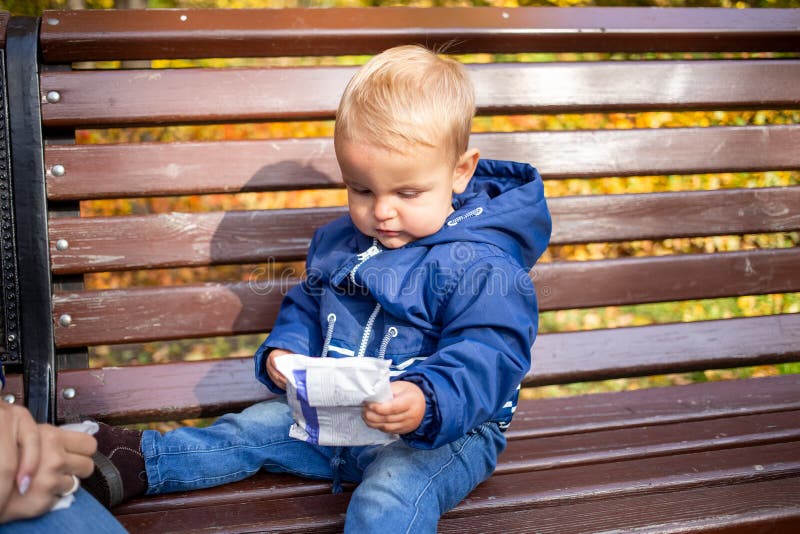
503	205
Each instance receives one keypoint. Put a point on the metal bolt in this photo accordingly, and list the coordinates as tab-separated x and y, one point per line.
11	338
58	170
62	244
53	97
65	320
10	399
68	393
53	22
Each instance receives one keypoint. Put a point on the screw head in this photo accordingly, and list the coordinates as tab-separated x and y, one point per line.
68	393
53	97
65	320
9	398
58	170
62	244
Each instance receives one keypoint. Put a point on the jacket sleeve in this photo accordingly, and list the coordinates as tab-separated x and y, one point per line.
297	327
489	325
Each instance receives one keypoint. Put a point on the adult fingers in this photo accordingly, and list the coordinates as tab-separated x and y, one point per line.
66	452
28	440
9	454
79	465
77	442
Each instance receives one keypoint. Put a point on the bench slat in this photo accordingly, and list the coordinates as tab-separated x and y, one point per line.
185	239
94	35
127	394
198	239
576	284
586	414
137	97
166	312
152	169
216	309
659	440
566	357
767	506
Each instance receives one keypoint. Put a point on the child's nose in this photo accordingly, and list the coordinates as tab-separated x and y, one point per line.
384	209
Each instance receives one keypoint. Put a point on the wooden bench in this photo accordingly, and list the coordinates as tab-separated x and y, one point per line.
716	456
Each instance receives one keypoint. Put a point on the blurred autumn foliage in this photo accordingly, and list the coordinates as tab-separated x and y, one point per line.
550	321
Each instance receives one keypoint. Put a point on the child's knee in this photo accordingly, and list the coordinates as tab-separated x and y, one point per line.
382	505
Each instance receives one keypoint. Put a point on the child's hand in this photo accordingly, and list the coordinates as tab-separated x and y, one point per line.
272	371
402	414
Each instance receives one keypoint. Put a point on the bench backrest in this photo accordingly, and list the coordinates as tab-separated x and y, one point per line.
605	65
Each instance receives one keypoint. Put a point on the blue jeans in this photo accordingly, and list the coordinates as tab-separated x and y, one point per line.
236	446
84	515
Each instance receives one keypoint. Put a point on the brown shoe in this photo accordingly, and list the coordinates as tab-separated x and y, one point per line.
119	472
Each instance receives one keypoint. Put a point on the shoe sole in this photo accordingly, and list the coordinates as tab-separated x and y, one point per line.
105	482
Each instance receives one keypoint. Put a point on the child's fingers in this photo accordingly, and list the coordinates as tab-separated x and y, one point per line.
391	407
379	418
273	372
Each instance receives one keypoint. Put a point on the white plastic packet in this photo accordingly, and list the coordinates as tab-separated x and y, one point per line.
326	394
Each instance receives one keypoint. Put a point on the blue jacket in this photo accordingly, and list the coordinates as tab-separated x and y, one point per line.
455	311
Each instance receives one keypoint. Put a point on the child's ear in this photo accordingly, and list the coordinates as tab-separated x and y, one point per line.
465	168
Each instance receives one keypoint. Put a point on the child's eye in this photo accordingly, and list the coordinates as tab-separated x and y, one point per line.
408	194
359	191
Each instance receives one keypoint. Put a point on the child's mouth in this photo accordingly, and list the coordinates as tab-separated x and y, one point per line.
388	233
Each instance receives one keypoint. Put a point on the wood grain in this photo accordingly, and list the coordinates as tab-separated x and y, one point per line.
141	97
155	169
160	34
200	239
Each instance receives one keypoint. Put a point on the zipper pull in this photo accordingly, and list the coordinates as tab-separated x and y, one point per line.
367	254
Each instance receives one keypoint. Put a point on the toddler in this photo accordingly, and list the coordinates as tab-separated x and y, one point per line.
430	270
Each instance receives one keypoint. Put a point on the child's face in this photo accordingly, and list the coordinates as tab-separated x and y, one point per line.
401	197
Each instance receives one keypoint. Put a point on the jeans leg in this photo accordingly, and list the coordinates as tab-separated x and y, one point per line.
84	515
407	490
235	447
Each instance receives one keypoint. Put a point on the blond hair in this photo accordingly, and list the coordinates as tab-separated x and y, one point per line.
408	96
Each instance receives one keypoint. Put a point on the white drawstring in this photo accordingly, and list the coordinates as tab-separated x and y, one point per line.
387	337
472	213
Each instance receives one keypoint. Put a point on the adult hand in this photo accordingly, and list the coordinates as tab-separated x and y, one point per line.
402	414
39	462
272	371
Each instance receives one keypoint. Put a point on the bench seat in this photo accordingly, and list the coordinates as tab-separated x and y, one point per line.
694	455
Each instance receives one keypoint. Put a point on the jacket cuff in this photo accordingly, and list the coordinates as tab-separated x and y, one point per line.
427	431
